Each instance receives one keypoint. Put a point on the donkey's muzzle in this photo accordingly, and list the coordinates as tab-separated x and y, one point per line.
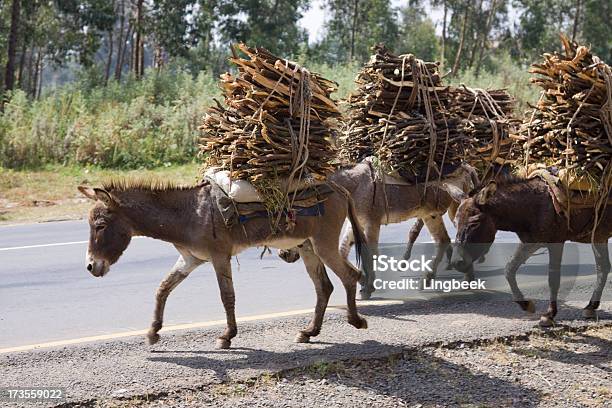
97	268
461	259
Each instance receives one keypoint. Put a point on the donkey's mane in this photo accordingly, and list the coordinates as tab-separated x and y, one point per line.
153	184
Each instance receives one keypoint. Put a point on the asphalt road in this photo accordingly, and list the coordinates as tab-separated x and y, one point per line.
47	295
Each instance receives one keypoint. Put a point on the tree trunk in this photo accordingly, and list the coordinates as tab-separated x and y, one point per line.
576	19
109	60
485	39
120	44
38	76
354	28
22	57
36	68
30	68
478	34
138	44
142	58
9	72
132	51
128	35
461	37
443	50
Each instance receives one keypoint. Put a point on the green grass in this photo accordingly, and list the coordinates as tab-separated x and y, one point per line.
148	123
154	122
505	74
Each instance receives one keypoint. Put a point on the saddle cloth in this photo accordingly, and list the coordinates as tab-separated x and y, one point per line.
564	199
308	201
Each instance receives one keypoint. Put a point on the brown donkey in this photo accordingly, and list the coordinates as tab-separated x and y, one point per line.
501	206
378	204
188	218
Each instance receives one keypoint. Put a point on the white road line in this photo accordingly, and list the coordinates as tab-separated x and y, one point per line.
43	245
186	326
48	245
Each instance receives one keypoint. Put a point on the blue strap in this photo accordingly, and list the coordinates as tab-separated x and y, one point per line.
314	211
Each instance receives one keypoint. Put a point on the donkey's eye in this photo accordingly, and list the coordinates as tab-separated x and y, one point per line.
100	227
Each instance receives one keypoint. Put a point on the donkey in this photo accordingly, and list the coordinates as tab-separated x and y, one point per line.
189	218
501	205
377	203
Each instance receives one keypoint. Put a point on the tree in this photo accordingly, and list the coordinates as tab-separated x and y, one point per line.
9	73
417	34
269	23
355	26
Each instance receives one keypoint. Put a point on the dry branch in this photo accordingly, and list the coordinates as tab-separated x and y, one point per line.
414	126
278	121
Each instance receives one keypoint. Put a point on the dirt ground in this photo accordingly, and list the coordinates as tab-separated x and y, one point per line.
50	194
544	370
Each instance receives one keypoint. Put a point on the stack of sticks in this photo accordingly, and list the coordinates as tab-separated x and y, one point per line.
278	122
417	128
571	126
487	119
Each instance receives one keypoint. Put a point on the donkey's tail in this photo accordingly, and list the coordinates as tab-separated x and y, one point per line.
364	255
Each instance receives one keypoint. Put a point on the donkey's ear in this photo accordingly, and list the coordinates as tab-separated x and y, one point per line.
105	197
486	193
87	192
455	192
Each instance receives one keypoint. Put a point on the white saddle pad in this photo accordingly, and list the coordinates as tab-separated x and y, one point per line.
242	191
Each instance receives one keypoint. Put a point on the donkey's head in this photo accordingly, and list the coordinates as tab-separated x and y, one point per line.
475	226
109	231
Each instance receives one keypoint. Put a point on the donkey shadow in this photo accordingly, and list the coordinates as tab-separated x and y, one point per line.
418	377
495	304
224	362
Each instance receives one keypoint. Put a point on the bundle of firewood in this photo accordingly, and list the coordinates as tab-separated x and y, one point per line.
571	126
488	122
416	127
278	121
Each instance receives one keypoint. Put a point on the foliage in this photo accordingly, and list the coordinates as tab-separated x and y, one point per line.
353	27
154	121
144	123
418	34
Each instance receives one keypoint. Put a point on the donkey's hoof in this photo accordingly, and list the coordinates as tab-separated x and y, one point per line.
302	338
527	305
152	338
546	321
365	294
223	344
359	323
588	313
531	307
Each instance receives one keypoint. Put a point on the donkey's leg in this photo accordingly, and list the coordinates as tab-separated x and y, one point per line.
181	269
348	239
602	267
372	235
323	288
223	270
435	225
412	237
522	253
325	246
555	254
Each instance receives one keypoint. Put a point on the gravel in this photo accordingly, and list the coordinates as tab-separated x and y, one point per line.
556	369
103	372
